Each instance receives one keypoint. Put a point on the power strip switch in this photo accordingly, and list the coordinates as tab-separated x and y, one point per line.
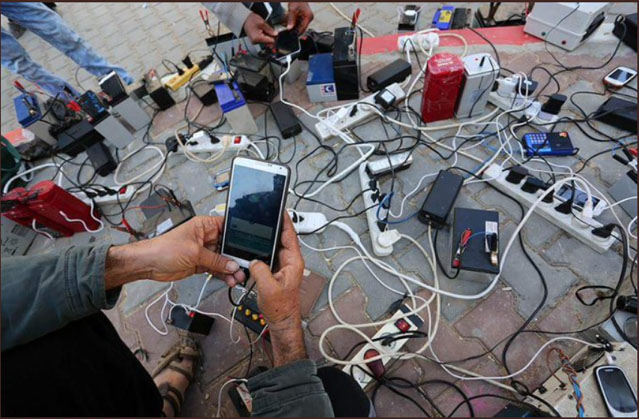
519	188
402	323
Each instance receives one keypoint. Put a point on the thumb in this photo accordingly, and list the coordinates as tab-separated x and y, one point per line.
268	30
216	263
291	18
261	273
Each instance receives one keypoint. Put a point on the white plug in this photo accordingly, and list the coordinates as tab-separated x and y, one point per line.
429	40
388	238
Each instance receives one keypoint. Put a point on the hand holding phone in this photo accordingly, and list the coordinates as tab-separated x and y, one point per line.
287	42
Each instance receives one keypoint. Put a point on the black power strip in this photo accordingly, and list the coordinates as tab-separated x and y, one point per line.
249	314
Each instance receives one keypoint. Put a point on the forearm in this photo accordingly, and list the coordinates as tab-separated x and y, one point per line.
127	263
287	341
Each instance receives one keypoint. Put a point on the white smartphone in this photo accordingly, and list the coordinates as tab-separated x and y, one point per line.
619	77
617	392
255	206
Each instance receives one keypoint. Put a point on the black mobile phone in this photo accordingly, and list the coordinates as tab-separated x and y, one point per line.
254	210
287	42
617	392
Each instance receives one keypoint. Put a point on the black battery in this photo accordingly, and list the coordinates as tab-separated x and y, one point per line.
345	64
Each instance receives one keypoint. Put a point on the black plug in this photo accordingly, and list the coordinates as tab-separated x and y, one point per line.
604	231
90	195
171	144
516	174
110	191
187	62
564	207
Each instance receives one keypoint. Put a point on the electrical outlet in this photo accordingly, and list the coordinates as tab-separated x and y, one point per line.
178	81
566	222
201	142
372	198
124	194
307	222
543	121
355	113
407	324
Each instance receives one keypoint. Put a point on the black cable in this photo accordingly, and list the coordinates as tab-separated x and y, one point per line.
534	409
439	262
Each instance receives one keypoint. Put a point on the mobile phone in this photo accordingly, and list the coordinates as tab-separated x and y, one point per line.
619	77
287	42
579	200
619	396
255	206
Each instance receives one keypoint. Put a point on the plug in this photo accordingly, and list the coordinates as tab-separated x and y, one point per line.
604	231
171	144
564	207
388	238
516	174
90	195
588	211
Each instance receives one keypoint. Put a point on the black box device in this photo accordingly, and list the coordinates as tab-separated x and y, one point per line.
394	72
619	113
286	120
440	199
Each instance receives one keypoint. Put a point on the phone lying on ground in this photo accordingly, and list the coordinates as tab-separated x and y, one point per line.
617	392
619	77
255	207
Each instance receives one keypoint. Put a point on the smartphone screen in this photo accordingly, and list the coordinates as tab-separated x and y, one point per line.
617	390
287	42
621	75
256	198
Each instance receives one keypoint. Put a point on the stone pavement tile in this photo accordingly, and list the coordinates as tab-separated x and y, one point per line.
539	233
342	284
522	277
520	353
351	308
388	404
220	353
312	347
129	337
493	319
570	314
139	292
589	265
188	289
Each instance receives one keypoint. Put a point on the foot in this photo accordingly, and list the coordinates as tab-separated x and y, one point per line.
174	375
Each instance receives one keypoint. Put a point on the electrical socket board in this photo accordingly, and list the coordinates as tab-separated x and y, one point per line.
307	222
566	222
412	323
124	194
178	81
343	120
425	39
201	142
542	121
372	198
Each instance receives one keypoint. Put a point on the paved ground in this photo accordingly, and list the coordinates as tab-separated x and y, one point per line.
138	36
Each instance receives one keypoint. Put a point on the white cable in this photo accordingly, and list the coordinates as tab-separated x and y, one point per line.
219	394
633	221
226	141
348	19
33	169
138	176
78	220
44	233
621	202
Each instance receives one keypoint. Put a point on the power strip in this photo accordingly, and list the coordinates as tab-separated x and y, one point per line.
124	194
372	198
201	142
543	121
178	81
355	113
426	39
308	222
407	324
566	222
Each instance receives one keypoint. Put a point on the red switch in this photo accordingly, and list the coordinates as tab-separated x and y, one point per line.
402	325
237	140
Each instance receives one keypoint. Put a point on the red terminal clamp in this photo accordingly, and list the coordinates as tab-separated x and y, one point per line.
463	242
204	14
355	18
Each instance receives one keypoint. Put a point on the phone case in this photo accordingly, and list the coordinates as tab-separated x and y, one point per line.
279	227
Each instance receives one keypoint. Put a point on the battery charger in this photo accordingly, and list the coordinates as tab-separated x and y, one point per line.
285	119
440	199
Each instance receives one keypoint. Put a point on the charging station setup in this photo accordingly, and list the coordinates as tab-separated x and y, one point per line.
435	161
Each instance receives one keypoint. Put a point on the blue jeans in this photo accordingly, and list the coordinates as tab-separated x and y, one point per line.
48	25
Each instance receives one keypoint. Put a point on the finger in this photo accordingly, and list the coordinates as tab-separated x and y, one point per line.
230	280
291	20
239	276
264	39
289	237
213	227
306	20
216	263
268	30
261	274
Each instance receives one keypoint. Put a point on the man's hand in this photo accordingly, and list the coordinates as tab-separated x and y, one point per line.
184	251
299	17
279	297
258	31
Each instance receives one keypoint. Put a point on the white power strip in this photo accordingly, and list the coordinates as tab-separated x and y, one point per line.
343	120
543	121
200	142
566	222
412	323
307	222
372	199
124	194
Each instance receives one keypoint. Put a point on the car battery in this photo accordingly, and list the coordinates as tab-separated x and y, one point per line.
234	107
122	105
442	83
345	64
480	73
30	115
104	123
320	81
15	207
277	66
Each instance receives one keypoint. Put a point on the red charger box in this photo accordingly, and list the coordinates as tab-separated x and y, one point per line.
44	203
442	82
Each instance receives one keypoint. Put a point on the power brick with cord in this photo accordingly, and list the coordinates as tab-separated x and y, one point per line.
440	199
255	86
193	322
630	36
101	159
619	113
395	72
286	120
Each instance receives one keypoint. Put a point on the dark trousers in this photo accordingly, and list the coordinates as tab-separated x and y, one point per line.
84	369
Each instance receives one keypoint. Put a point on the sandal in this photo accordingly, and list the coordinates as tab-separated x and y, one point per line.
187	348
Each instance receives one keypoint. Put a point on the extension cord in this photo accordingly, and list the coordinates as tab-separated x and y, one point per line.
543	121
425	39
580	231
372	198
201	142
178	81
343	120
307	222
362	378
125	196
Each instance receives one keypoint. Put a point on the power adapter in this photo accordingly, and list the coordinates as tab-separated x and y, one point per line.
193	322
286	120
101	159
440	199
395	72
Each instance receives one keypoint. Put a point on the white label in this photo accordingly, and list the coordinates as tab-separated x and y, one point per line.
163	226
490	228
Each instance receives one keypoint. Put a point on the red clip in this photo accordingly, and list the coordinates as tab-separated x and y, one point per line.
632	150
74	106
355	18
19	86
465	237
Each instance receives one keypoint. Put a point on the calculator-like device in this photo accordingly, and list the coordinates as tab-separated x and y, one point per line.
548	144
